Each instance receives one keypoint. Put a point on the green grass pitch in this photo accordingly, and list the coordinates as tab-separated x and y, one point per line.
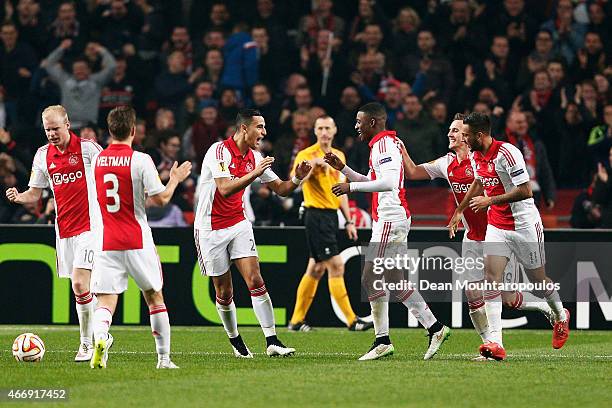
324	372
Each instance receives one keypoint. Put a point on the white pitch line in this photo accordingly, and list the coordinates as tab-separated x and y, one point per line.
441	356
247	329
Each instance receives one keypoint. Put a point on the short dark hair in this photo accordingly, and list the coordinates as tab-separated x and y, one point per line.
120	122
374	110
478	122
459	116
245	116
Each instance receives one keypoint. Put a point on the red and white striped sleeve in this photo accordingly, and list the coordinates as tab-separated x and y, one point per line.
218	159
513	162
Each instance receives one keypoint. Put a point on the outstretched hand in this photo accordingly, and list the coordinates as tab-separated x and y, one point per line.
180	173
341	188
453	224
303	169
333	161
263	165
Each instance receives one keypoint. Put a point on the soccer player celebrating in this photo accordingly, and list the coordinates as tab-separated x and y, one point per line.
223	234
514	227
456	168
124	180
64	165
321	222
391	224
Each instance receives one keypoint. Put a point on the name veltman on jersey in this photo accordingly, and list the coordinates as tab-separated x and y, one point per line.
222	232
69	175
124	178
518	225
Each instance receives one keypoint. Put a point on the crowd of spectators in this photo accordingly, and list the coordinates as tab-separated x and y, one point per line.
541	68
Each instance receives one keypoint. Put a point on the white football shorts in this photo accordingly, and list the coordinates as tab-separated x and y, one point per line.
475	250
74	252
216	249
389	238
112	269
527	244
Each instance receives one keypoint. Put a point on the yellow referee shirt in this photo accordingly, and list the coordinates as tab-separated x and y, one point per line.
317	187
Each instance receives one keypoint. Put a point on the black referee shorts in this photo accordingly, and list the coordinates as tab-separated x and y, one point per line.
321	229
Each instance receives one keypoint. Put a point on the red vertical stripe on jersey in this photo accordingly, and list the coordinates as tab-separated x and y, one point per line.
402	193
67	172
375	194
460	177
499	215
226	211
121	229
229	211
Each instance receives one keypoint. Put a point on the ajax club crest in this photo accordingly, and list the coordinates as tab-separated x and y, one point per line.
73	160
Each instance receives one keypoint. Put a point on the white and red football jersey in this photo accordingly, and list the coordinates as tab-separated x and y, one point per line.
69	175
500	170
124	178
223	159
385	155
460	176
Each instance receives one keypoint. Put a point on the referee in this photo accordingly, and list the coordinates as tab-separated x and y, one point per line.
321	221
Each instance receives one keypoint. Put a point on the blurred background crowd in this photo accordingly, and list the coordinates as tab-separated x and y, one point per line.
541	68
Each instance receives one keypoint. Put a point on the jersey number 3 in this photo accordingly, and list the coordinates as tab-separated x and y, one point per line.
112	192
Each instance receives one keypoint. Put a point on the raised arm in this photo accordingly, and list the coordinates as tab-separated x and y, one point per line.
228	187
177	175
337	164
386	183
108	66
413	171
52	65
284	188
388	175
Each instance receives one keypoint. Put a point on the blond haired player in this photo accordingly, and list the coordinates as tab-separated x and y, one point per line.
64	165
